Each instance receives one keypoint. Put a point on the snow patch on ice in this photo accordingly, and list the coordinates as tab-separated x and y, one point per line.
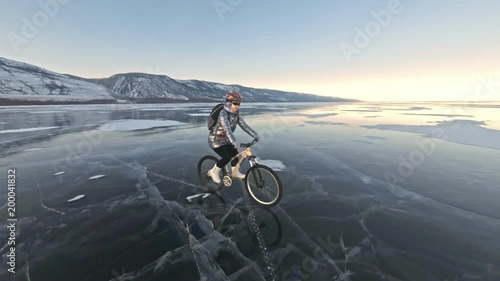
190	198
76	198
38	112
26	130
34	149
276	165
133	124
274	108
366	179
197	114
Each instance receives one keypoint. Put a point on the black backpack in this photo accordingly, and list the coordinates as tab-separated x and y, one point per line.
214	116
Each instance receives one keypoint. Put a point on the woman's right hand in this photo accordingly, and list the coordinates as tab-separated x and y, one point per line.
236	144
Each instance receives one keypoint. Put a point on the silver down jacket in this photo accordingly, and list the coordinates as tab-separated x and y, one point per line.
222	133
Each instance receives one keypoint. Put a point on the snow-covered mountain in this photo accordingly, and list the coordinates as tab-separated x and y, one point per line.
145	86
25	81
28	82
149	86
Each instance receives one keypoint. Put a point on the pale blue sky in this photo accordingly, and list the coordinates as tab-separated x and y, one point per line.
429	50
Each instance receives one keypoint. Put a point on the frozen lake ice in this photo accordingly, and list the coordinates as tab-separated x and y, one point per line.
372	191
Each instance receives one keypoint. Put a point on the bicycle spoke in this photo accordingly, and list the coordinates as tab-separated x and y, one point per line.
267	191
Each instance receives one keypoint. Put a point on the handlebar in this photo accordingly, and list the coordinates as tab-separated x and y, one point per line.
246	145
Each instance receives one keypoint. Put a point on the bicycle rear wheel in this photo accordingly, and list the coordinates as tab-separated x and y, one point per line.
263	185
204	165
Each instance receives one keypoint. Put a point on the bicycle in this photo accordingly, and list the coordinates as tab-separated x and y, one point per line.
261	183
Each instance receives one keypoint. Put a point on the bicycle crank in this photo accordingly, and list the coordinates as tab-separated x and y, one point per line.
227	181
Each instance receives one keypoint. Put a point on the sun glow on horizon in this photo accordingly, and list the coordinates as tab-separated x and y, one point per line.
431	88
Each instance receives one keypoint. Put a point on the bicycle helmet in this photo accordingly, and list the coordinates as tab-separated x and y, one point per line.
233	97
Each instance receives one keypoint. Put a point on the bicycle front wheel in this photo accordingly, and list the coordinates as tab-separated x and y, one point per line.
263	185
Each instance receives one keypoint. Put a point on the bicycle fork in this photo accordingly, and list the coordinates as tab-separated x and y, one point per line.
257	176
252	160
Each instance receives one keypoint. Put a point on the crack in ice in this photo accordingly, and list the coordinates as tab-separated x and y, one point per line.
362	220
41	199
28	271
204	261
207	267
223	219
158	175
339	272
348	251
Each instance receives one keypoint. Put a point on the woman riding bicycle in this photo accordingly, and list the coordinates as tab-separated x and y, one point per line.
221	138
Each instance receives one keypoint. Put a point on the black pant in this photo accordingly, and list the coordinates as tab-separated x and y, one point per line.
226	152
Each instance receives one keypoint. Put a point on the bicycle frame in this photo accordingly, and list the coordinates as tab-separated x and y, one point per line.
246	153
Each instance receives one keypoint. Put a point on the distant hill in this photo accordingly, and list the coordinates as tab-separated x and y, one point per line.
25	81
21	81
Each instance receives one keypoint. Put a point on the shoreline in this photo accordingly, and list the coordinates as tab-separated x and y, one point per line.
17	102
